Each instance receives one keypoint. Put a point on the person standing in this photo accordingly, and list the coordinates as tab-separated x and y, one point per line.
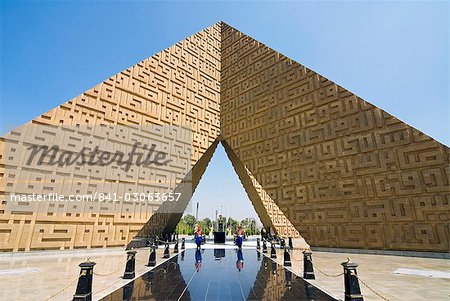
263	234
198	233
239	236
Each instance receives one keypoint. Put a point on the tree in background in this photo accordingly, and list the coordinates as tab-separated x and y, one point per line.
187	223
248	232
249	226
232	224
182	228
206	225
189	219
207	222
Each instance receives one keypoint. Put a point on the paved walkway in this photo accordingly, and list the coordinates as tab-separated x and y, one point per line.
52	275
378	272
41	275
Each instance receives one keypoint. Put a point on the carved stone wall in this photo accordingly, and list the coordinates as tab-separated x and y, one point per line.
268	212
178	86
309	153
344	172
281	224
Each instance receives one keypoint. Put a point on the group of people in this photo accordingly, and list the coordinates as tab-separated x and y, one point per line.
198	236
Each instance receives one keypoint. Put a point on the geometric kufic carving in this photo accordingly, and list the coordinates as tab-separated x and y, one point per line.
309	153
344	172
178	86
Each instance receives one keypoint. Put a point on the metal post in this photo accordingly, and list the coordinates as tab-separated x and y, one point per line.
166	251
273	252
182	243
156	242
264	246
258	243
287	258
282	243
308	270
84	285
196	214
152	257
175	248
130	265
291	246
351	283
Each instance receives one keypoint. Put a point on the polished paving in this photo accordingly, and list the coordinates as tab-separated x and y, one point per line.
380	273
219	274
49	275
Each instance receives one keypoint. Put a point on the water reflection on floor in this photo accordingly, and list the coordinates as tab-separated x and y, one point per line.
218	274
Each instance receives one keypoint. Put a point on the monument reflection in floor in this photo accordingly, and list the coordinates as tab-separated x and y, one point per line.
219	274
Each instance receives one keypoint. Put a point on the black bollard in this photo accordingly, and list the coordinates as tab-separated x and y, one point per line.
273	252
282	243
166	251
130	265
287	258
175	248
84	285
258	256
351	283
182	243
291	246
152	257
264	247
156	242
258	243
308	270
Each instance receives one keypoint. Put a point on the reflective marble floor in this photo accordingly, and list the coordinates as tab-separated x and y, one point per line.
50	275
219	274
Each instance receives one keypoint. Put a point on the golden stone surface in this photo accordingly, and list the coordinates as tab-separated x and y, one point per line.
310	154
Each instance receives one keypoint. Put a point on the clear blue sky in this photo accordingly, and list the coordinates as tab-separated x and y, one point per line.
220	189
393	54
